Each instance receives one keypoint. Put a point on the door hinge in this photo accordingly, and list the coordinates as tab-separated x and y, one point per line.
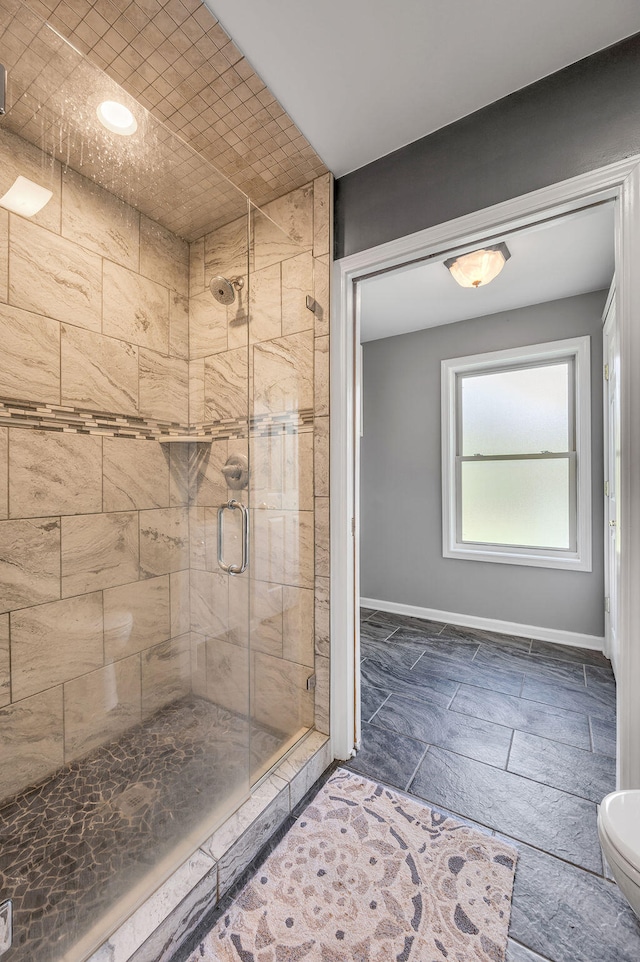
311	682
606	489
606	372
607	605
353	527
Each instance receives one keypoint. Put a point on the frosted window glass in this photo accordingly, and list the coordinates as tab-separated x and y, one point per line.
516	503
524	411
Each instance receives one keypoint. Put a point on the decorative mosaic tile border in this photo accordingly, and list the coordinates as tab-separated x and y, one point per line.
57	417
264	425
72	420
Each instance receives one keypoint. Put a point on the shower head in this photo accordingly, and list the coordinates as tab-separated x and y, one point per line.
223	290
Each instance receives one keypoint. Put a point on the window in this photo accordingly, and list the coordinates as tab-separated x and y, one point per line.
516	456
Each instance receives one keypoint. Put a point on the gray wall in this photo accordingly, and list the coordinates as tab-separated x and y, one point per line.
576	120
401	491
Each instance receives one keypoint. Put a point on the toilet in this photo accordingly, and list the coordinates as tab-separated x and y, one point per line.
619	831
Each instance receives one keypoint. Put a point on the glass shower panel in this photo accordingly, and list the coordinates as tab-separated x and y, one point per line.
281	606
124	665
220	476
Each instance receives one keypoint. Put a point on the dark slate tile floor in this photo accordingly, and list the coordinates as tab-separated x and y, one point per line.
519	737
586	774
518	713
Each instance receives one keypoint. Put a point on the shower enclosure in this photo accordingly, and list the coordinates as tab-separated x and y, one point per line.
157	556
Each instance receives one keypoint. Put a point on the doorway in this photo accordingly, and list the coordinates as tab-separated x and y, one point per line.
481	633
481	464
621	182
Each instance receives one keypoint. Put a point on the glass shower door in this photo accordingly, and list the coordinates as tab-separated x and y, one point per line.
220	593
280	399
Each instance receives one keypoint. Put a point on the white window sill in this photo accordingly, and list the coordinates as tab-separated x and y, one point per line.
502	555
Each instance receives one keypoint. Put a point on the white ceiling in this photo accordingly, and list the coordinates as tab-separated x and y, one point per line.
362	78
572	255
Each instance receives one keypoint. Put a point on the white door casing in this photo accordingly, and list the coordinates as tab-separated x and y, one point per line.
611	425
620	181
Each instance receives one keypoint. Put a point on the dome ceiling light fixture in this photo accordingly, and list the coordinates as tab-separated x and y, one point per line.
478	268
117	118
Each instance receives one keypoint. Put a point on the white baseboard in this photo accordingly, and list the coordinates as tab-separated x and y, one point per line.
554	635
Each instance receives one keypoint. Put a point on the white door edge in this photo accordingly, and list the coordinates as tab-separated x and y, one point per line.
609	330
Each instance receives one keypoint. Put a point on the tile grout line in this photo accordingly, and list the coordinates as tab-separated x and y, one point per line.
378	708
543	958
449	708
417	660
413	775
411	667
506	767
591	734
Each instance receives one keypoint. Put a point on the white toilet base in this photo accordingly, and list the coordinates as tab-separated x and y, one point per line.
622	873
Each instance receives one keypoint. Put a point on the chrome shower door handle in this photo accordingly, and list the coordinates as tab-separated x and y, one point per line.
244	511
245	537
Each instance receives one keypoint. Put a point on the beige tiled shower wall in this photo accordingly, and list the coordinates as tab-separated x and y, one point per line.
101	619
94	553
282	256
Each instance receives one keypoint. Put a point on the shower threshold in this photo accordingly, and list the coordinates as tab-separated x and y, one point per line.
104	831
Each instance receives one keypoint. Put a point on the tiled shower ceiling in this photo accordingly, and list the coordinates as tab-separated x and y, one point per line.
174	59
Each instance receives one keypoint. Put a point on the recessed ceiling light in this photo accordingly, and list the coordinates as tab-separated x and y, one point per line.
478	268
24	197
117	118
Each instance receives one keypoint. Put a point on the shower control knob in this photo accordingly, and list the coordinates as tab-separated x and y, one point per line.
236	472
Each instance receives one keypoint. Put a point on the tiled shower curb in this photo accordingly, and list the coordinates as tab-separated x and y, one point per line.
156	929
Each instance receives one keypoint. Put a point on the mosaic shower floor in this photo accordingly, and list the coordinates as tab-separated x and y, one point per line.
74	845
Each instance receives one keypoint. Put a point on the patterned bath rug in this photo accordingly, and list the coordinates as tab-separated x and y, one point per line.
369	875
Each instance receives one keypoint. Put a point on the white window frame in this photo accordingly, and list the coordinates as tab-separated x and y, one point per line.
578	350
